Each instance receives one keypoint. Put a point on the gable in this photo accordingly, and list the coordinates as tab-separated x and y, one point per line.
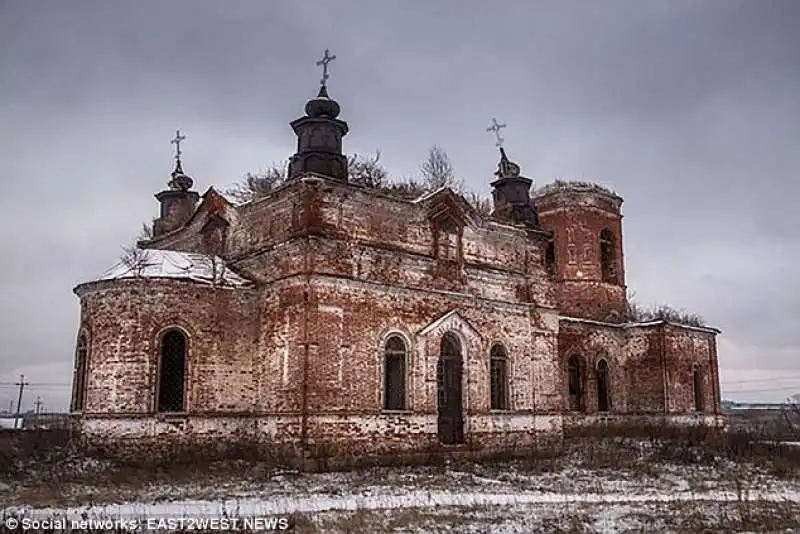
445	205
212	203
451	320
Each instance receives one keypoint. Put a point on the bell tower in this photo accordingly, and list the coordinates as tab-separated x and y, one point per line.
586	252
177	202
511	191
319	134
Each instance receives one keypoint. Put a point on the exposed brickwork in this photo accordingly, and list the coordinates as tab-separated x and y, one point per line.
651	365
577	215
294	365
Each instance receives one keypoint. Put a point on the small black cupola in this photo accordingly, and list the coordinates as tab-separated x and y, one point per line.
319	135
511	190
177	202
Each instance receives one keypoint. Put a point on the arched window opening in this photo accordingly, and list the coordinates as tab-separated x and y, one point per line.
697	381
550	257
394	374
447	241
172	372
574	389
603	398
608	257
79	377
498	372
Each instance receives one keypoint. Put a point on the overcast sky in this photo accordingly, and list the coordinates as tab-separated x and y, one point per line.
688	109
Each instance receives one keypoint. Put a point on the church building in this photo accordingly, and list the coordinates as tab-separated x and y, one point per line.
328	321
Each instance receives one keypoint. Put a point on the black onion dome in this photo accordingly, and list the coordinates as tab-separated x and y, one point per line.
506	168
180	181
322	106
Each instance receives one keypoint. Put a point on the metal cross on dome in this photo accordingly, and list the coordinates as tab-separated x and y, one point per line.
495	129
177	143
326	58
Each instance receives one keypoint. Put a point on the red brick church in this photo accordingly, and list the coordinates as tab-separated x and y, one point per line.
328	320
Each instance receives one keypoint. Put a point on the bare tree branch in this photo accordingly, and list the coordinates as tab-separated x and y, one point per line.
136	259
437	171
483	205
259	185
146	232
367	171
637	313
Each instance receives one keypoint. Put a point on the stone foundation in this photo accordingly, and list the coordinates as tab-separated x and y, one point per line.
330	440
339	441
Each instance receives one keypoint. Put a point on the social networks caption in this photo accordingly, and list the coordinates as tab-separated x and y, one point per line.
153	524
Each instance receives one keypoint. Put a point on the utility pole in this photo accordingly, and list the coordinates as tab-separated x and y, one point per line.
21	385
10	406
38	404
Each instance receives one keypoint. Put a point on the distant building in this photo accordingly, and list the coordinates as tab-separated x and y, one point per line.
330	319
736	406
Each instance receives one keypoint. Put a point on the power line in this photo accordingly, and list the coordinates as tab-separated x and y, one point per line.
768	379
765	390
37	384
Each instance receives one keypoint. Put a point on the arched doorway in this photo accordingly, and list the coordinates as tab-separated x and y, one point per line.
449	395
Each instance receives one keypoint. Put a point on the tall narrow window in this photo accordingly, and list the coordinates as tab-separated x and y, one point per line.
697	382
608	257
394	379
447	241
498	372
79	374
574	389
171	372
603	399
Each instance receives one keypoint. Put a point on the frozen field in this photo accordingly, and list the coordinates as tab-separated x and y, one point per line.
561	495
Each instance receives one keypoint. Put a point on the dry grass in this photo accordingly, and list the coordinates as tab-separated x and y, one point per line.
47	469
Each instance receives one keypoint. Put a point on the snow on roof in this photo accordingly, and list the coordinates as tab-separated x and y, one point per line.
657	322
574	185
425	196
154	263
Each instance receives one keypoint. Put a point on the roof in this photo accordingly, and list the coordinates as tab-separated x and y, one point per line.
574	185
161	264
644	324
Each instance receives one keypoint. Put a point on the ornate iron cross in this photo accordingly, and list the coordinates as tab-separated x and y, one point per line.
177	143
495	129
326	58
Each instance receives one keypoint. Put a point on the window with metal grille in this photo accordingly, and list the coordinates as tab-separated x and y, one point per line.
394	369
171	372
499	378
79	374
608	257
697	382
603	396
574	389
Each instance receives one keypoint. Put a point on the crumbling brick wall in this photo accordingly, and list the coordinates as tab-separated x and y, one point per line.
298	358
124	320
651	365
577	215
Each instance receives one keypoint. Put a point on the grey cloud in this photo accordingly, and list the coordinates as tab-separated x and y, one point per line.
689	109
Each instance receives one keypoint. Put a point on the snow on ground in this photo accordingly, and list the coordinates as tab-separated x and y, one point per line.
9	422
264	506
511	497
